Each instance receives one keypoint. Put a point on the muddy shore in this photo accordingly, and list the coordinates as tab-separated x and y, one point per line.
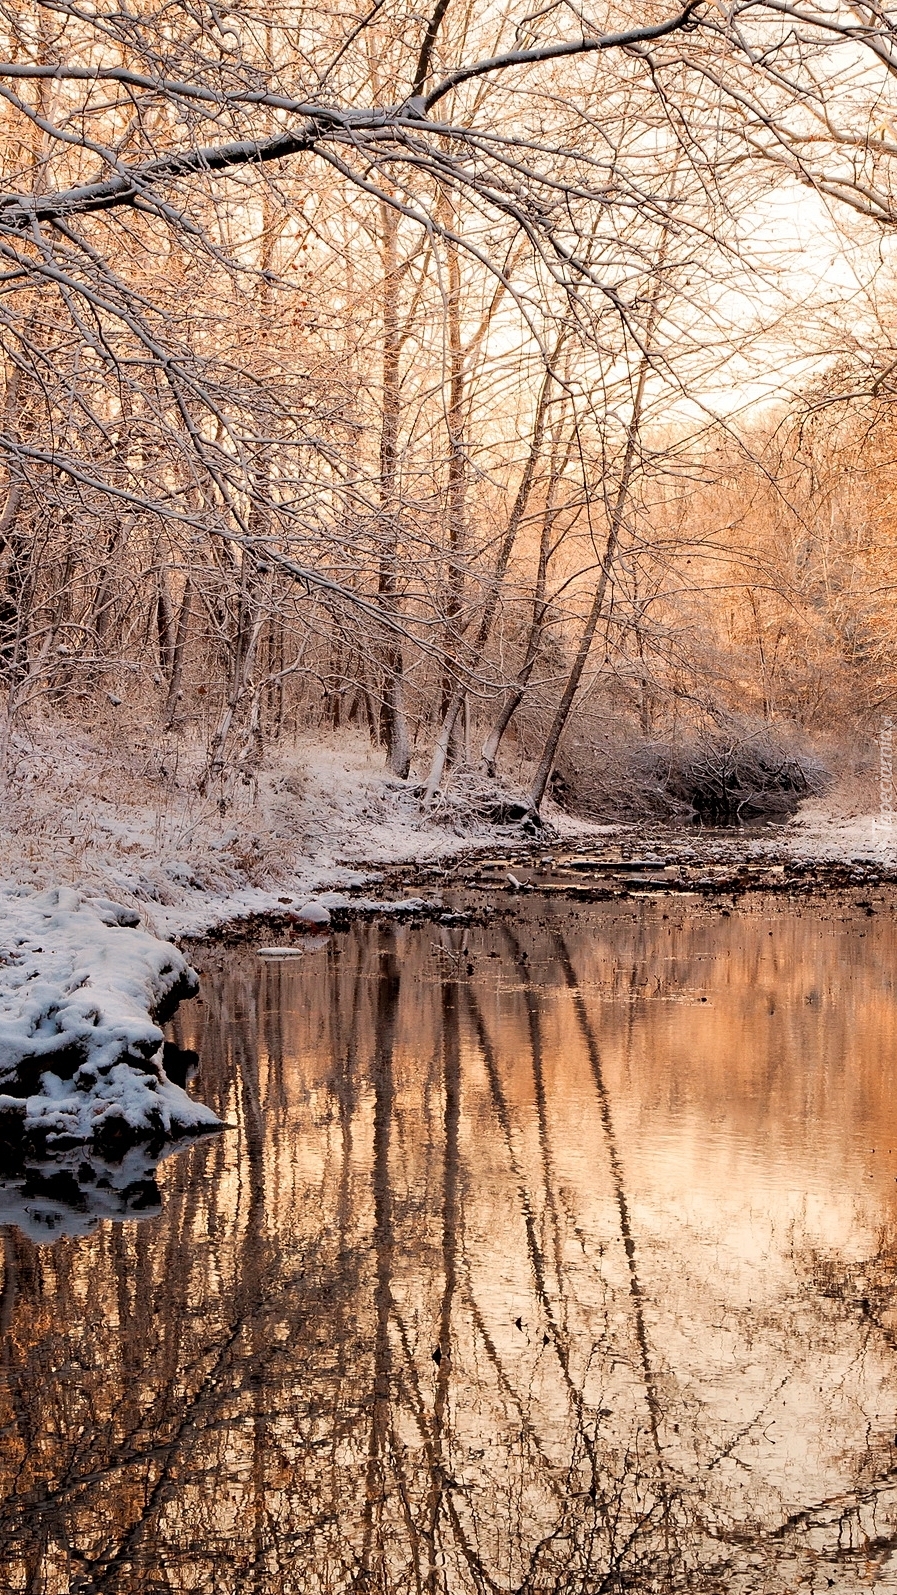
715	866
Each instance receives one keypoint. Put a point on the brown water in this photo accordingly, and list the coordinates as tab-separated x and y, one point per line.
559	1254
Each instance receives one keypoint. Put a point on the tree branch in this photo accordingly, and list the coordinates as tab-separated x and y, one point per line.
20	212
426	49
554	52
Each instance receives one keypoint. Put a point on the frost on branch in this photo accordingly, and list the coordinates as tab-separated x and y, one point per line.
81	992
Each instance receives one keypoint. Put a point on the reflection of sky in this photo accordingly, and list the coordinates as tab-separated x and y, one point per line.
746	1126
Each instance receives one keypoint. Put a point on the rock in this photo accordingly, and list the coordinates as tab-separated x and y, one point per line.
312	914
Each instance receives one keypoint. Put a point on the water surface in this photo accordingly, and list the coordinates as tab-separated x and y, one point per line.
556	1254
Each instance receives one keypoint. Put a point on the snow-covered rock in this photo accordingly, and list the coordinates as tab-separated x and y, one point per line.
81	992
312	913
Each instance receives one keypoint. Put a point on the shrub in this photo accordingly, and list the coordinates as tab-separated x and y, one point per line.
721	776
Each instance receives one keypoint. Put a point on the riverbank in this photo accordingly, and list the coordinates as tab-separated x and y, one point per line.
129	824
83	993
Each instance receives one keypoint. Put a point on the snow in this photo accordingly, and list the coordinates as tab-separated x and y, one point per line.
125	821
312	914
382	906
81	988
828	833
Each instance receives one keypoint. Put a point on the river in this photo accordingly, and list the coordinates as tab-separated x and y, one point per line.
556	1252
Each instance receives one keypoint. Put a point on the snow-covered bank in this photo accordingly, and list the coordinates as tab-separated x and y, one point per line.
81	989
826	833
127	821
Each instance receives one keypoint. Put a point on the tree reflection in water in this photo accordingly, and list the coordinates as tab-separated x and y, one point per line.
557	1255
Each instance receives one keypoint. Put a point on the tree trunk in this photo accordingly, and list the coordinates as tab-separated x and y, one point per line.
516	693
457	490
457	700
250	620
164	623
177	656
393	719
562	713
12	577
11	585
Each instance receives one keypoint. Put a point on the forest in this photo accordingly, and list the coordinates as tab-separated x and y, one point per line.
513	387
448	864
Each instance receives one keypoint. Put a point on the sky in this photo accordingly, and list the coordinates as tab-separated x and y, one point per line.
829	284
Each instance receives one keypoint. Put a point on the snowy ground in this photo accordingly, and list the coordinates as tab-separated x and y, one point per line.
836	831
127	824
